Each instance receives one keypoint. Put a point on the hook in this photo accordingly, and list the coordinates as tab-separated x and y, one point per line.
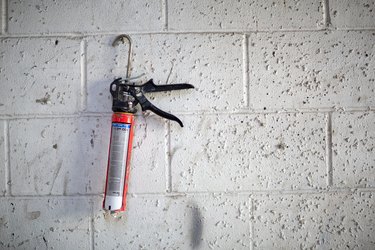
122	38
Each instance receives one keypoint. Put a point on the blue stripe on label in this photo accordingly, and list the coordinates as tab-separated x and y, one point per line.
120	125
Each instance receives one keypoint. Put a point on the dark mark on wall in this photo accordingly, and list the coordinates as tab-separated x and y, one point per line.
45	100
36	183
13	207
281	146
2	221
45	242
56	173
22	242
196	228
66	180
92	138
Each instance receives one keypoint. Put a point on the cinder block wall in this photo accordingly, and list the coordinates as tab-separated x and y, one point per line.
278	145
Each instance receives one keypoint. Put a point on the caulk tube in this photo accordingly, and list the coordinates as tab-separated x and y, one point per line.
118	167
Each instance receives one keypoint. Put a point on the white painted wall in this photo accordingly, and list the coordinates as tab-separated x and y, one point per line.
277	151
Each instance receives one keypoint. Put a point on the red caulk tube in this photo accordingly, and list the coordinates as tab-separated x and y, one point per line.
118	169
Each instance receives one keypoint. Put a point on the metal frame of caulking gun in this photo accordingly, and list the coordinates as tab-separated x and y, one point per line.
126	96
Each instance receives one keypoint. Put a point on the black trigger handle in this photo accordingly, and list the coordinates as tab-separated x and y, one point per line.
147	105
150	86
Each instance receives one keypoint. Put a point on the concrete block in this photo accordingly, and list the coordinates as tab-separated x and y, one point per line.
39	75
148	164
3	161
352	14
84	17
353	149
212	63
191	222
309	221
244	15
44	223
249	152
72	155
312	70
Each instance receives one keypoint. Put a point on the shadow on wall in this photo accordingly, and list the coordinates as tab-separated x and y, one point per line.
196	225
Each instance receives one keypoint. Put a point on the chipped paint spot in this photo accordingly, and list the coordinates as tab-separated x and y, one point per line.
33	215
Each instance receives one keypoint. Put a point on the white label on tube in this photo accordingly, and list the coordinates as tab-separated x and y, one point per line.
118	154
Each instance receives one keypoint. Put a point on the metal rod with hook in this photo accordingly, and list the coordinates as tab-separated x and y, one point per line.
122	38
